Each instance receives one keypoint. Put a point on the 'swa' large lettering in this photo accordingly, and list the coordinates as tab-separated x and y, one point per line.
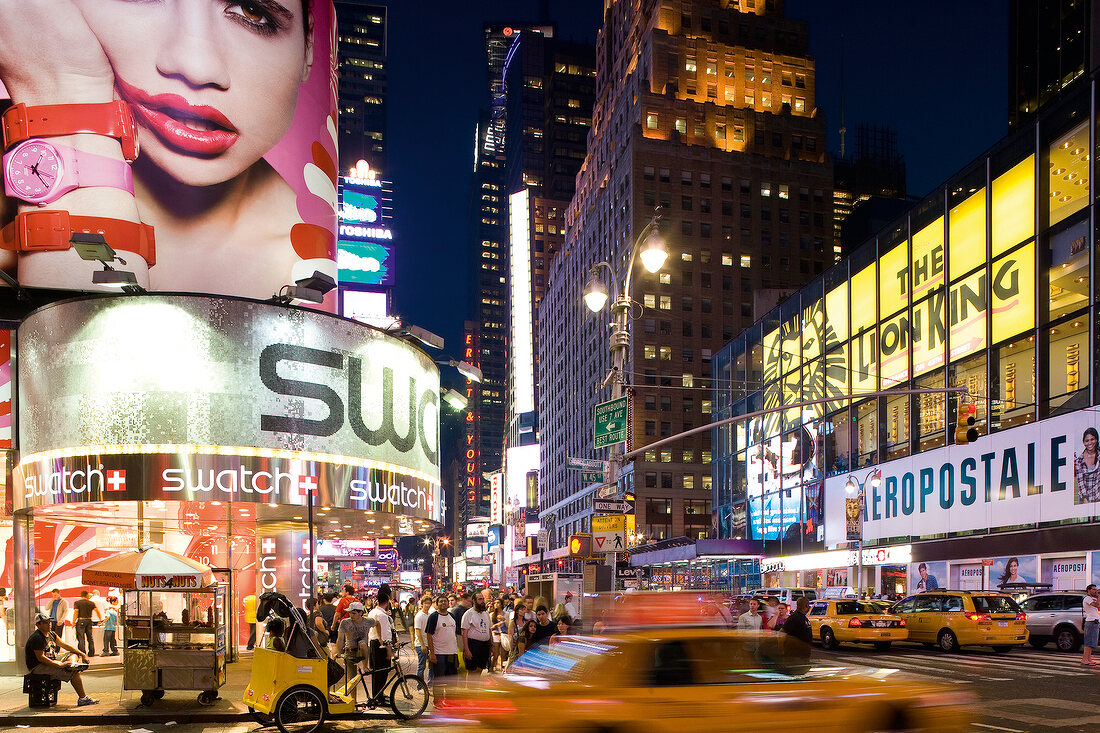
386	431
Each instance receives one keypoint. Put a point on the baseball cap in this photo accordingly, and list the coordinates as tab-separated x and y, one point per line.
357	606
568	595
40	617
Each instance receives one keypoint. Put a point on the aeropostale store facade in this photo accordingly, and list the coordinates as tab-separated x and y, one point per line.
988	284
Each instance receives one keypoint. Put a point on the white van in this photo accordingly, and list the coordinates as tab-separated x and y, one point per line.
788	595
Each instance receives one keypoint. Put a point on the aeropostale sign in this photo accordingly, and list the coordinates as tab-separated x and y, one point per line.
1015	477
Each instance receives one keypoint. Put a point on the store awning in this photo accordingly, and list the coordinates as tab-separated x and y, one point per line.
680	549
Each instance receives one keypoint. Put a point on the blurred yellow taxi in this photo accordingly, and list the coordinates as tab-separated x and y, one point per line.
842	621
674	679
953	618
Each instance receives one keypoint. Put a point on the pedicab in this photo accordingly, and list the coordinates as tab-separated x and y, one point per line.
295	684
172	619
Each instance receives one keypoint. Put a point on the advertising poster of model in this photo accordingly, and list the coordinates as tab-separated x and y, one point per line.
221	177
1022	569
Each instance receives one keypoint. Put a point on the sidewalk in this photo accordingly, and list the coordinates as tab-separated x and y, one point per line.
103	681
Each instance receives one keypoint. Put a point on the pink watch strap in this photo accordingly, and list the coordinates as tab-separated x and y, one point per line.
90	169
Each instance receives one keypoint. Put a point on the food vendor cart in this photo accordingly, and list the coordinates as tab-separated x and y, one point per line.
173	622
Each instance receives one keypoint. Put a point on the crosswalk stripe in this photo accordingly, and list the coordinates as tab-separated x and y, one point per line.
959	665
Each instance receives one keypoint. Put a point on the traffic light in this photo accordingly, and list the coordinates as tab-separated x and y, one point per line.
965	432
580	546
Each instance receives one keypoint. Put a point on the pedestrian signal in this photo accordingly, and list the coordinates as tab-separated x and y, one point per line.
580	546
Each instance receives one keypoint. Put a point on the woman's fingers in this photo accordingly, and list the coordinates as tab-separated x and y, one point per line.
49	55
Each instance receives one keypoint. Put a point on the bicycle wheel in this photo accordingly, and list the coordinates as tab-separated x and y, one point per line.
409	697
300	710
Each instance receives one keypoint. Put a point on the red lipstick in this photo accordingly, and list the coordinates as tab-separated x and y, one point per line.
189	128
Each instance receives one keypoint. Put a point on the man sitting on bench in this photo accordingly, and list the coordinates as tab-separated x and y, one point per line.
39	654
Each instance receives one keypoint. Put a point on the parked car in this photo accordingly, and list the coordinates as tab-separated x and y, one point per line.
1056	616
953	618
787	595
837	622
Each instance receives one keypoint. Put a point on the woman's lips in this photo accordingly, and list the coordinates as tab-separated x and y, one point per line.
189	128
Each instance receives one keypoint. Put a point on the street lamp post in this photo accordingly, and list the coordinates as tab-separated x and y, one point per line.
650	246
875	477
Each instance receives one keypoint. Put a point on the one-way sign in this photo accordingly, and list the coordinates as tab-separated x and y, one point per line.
613	506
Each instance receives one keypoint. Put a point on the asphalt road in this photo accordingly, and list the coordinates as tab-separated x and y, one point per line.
1025	690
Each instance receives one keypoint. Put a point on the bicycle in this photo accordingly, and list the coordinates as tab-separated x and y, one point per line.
303	709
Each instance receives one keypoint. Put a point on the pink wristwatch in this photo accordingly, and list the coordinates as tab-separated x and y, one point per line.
40	172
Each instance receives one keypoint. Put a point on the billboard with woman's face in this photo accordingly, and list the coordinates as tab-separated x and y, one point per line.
234	106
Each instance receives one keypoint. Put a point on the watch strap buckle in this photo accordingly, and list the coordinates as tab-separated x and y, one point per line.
38	231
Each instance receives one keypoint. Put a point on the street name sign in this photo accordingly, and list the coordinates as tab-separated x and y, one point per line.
613	506
592	477
609	533
586	464
610	423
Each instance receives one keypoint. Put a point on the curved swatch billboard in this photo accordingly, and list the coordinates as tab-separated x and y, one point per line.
164	397
234	106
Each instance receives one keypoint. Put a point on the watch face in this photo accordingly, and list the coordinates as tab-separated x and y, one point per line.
32	170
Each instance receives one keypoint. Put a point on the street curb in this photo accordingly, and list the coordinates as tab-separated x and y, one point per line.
118	718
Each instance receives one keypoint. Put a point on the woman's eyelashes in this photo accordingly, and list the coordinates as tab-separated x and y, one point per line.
263	16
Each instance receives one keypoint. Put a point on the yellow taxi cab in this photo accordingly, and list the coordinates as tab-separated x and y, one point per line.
668	680
843	621
950	619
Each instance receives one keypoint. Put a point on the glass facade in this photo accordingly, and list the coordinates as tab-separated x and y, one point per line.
985	284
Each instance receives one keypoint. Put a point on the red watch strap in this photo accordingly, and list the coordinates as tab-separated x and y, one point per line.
52	230
113	119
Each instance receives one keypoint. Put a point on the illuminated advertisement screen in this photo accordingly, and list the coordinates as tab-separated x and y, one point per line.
784	483
245	172
176	397
518	516
365	262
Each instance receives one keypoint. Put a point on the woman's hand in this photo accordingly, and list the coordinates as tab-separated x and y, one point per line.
49	55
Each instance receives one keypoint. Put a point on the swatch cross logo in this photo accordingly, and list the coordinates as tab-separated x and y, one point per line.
116	480
307	486
267	545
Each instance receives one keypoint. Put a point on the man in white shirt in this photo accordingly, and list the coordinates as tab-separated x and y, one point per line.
442	646
477	636
420	637
571	609
751	619
1092	625
381	634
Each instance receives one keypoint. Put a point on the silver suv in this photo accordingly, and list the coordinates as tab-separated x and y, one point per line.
1056	616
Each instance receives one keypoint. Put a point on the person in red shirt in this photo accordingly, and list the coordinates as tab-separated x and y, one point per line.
346	599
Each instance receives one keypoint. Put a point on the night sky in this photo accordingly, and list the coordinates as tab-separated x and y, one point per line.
935	71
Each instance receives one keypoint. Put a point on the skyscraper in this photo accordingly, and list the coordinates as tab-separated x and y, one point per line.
361	53
704	108
530	144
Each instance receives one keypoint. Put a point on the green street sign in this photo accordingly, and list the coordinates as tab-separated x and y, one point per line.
592	477
610	423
